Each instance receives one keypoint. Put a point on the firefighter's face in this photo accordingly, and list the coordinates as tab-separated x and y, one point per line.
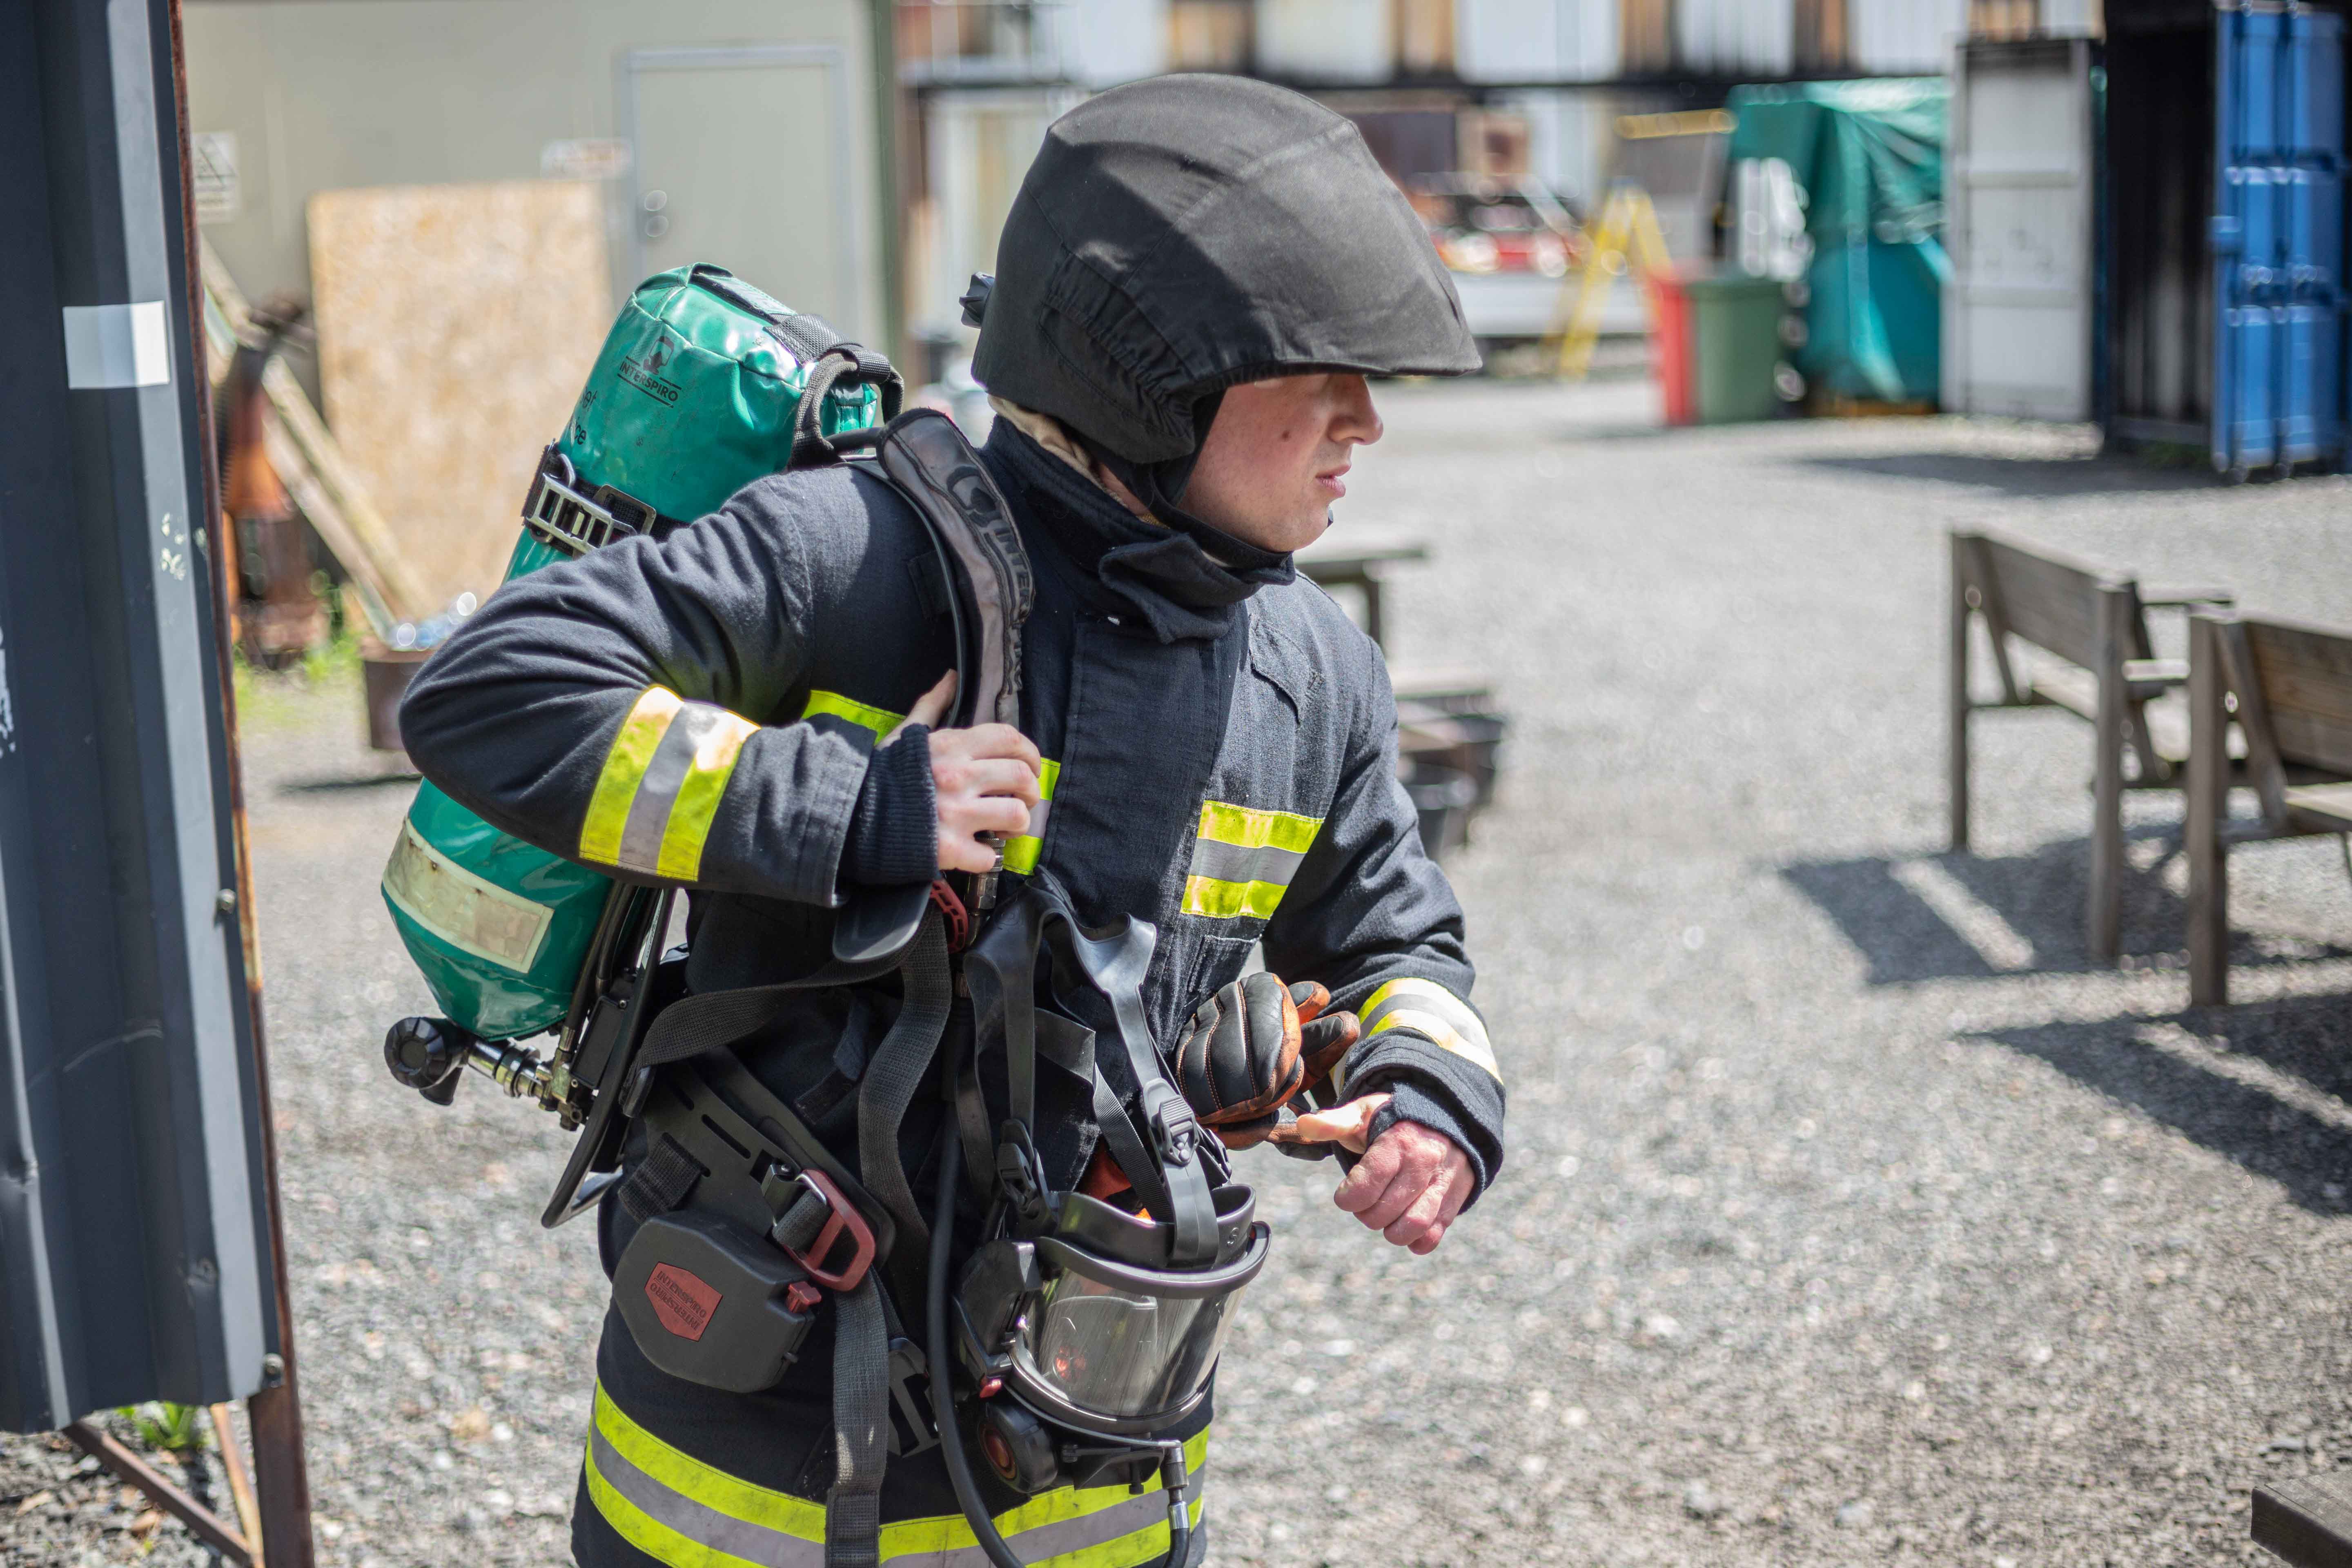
1277	457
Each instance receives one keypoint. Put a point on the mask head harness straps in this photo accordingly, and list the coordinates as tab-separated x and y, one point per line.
1164	1155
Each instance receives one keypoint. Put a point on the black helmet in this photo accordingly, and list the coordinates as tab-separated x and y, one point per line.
1182	234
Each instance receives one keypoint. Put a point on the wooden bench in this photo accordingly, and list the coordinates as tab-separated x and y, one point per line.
2094	624
1361	563
2306	1521
2288	686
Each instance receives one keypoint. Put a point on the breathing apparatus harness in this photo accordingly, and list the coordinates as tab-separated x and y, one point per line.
1084	1328
1078	1329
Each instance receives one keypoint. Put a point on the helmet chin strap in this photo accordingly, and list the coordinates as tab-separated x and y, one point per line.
1160	488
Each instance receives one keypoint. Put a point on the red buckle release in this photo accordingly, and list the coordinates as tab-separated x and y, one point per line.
840	1215
958	918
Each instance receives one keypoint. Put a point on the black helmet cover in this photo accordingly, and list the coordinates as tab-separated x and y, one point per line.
1179	236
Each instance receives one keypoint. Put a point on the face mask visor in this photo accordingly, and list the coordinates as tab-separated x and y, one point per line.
1111	1348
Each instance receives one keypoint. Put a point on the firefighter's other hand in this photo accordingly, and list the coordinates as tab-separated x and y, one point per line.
1410	1181
985	780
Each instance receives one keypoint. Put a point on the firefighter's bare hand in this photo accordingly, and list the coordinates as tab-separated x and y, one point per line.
985	780
1410	1181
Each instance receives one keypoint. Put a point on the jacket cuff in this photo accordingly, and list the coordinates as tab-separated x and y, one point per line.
893	835
1440	1091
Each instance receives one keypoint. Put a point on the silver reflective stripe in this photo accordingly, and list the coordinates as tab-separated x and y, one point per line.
641	840
1427	1009
1238	863
720	1531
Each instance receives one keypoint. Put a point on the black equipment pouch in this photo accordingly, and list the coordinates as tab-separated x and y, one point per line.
711	1303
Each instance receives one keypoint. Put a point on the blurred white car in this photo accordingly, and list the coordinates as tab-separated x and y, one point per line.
1512	248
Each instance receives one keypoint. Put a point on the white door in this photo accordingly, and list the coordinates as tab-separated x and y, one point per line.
742	158
2017	189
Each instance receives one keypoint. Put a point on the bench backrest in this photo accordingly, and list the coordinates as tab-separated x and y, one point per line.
2050	601
2306	674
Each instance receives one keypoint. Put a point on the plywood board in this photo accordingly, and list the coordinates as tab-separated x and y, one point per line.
456	326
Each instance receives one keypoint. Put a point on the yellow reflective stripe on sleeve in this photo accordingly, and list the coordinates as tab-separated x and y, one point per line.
682	1512
1430	1009
624	768
881	720
1244	858
716	745
1021	852
661	786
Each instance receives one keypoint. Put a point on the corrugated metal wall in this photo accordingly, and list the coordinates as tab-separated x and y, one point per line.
322	95
1904	37
1738	38
1536	40
1327	40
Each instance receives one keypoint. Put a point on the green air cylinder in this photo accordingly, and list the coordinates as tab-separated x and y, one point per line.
693	398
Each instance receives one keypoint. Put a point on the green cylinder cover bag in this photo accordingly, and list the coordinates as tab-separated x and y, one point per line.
704	384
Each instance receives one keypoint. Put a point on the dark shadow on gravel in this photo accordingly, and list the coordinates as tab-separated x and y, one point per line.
2022	476
2039	897
2308	1155
345	785
1892	927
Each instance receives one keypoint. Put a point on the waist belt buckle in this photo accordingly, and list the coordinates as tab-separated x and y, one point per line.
841	1215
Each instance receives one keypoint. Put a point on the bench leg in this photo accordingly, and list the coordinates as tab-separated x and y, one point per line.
1957	702
2207	807
2108	783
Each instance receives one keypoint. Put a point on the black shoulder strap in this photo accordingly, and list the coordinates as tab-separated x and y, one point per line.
928	461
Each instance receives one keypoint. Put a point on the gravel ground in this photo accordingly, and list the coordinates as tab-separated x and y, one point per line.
1851	1214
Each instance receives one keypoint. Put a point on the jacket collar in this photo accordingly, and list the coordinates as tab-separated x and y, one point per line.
1123	565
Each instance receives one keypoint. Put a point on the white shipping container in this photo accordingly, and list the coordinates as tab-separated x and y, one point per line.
2018	177
1739	37
1905	38
1118	40
1327	40
1536	40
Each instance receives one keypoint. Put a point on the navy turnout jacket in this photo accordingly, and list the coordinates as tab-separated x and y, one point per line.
704	709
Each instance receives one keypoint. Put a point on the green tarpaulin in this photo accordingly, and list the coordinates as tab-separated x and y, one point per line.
1869	156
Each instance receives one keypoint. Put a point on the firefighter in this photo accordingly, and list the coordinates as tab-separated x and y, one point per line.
1196	280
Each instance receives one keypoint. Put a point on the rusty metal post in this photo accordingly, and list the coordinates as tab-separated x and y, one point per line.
282	1471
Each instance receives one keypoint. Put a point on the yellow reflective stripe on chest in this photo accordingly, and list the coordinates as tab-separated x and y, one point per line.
1021	851
680	1511
661	784
1244	858
1428	1008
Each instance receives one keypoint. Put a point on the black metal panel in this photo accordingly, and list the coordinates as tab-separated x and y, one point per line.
2159	146
133	1260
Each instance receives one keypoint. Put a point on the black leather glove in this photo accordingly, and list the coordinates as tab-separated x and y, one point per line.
1252	1049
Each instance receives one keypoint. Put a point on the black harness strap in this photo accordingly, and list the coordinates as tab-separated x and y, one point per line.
893	1075
662	1183
842	362
861	1427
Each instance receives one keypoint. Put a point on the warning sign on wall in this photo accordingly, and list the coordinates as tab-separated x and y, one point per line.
215	172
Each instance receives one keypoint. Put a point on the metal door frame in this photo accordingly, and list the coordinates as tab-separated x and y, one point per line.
849	236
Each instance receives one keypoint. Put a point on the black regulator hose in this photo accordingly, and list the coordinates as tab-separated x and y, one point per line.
942	1367
960	1474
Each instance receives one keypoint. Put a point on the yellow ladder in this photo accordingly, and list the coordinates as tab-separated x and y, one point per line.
1626	238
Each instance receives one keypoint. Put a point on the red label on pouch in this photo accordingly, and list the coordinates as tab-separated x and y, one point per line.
683	1302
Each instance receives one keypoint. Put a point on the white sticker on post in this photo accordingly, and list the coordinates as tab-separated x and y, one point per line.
118	346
